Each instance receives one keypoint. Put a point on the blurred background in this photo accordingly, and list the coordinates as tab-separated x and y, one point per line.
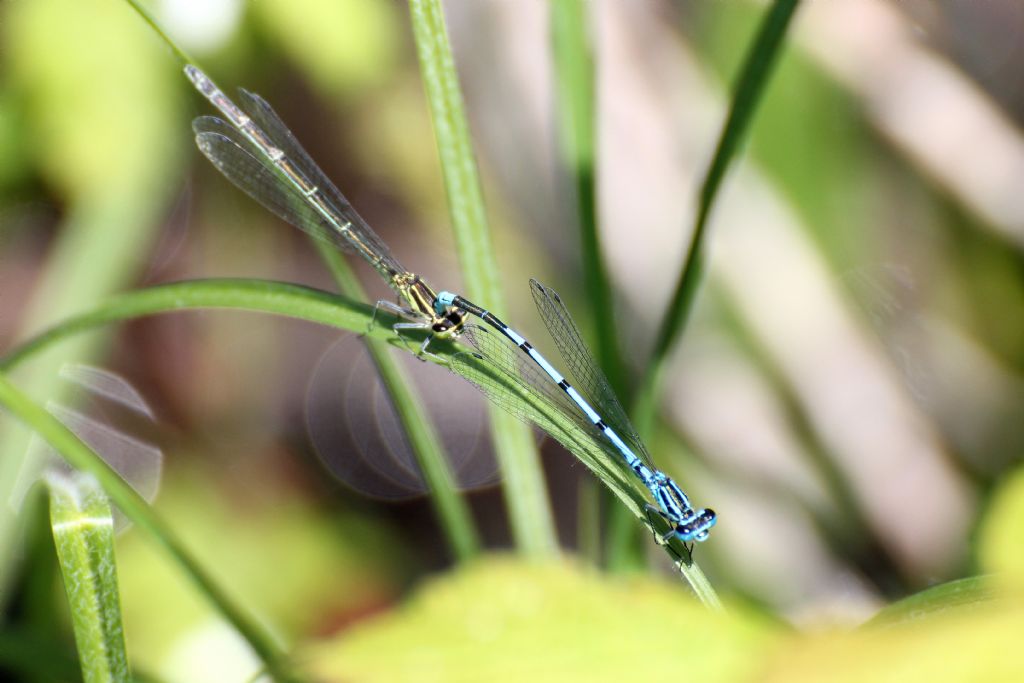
848	397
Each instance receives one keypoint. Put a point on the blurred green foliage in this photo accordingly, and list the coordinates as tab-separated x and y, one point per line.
503	620
270	547
86	77
342	47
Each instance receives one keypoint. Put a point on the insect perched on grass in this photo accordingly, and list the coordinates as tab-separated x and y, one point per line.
256	151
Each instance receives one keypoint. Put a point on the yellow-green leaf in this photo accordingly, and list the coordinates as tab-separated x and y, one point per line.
1001	537
502	620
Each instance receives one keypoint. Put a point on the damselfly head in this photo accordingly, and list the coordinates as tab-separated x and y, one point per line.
451	323
699	528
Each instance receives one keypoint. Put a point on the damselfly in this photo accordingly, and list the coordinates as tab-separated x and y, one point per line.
258	153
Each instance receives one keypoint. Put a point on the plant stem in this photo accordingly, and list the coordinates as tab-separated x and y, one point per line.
754	75
574	79
577	119
450	507
248	295
525	495
83	532
179	53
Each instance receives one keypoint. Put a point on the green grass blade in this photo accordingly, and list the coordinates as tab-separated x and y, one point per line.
179	53
263	296
959	595
450	507
754	76
320	307
525	495
83	532
135	508
574	91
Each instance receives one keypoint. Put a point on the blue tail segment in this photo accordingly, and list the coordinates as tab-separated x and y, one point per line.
673	505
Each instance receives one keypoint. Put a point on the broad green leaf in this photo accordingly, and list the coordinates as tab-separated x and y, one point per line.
1001	537
960	645
962	594
500	620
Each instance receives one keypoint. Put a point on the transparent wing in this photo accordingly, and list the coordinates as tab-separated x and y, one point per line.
496	370
511	360
590	379
358	436
267	119
242	164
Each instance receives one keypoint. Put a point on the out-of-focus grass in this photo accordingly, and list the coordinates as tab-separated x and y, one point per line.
808	136
526	499
297	568
342	47
76	74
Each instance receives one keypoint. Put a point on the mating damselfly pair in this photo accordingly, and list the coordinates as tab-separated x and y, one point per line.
256	151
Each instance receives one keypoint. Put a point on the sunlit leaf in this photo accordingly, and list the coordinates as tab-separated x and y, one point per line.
1001	538
501	620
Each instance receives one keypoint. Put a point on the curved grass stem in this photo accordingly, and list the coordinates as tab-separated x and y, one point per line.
754	75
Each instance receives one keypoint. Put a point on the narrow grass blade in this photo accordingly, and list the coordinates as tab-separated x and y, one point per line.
450	507
179	53
574	90
754	75
525	495
263	296
82	458
83	532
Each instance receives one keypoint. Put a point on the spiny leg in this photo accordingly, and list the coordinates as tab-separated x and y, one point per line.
419	323
422	351
661	539
395	310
